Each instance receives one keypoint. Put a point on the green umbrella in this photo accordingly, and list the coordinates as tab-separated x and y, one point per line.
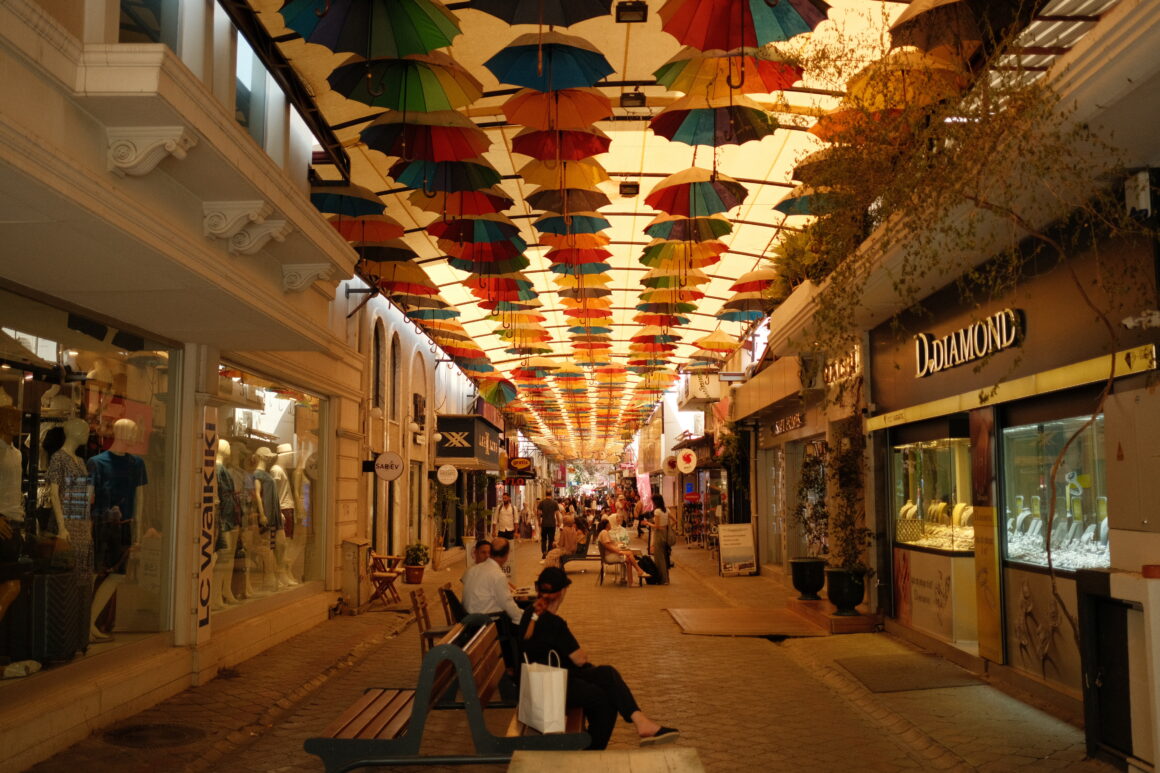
373	28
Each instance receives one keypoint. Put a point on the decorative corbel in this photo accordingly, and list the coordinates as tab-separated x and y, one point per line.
255	236
137	150
223	219
296	277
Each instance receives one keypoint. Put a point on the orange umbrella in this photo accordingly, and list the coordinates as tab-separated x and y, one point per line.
563	109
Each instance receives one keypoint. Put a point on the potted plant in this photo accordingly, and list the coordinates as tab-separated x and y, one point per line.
848	570
415	557
812	516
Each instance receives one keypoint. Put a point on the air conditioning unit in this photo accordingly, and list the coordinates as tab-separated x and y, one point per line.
699	389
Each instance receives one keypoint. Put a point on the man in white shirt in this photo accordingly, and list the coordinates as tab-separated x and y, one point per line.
486	592
505	518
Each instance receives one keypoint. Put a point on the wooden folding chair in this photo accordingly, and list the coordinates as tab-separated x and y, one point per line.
384	570
451	604
427	634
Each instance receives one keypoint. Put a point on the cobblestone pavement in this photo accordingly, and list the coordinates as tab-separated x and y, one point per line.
743	703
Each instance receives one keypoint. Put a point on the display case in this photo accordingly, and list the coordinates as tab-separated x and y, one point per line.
1078	520
931	495
267	512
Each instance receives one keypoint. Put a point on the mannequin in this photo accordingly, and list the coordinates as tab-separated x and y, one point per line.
272	537
119	480
288	506
229	512
242	469
11	509
305	478
71	494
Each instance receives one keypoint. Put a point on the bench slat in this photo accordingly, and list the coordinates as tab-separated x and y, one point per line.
395	707
369	705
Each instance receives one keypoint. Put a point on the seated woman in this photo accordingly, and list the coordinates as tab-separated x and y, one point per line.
567	542
614	553
599	690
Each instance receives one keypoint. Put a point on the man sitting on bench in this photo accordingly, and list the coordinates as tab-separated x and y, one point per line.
599	690
486	592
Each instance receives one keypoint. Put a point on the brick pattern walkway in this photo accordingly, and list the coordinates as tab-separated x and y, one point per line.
743	703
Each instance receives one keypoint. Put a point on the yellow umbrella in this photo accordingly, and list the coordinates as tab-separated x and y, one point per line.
585	173
717	341
905	78
583	280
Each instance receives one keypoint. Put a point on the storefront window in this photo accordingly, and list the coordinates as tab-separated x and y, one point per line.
250	97
932	490
269	529
149	21
85	452
1079	521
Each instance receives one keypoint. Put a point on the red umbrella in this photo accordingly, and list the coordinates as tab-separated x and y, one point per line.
578	256
367	228
729	24
461	203
696	192
441	135
566	145
483	251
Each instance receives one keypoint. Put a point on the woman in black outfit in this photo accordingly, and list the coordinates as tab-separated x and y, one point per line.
599	690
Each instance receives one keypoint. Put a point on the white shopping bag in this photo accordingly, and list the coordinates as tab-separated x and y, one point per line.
543	690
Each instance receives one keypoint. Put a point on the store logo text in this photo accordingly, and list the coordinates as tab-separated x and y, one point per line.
995	333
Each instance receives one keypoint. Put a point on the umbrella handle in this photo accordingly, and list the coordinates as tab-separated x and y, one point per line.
325	9
372	89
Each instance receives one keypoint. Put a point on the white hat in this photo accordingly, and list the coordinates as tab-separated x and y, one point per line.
285	448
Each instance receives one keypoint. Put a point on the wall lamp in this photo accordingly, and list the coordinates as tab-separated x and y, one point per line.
631	12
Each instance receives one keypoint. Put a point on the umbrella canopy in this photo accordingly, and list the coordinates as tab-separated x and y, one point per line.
755	281
557	13
442	135
819	165
594	280
497	391
577	241
694	229
560	144
483	228
563	109
696	192
389	251
489	265
549	61
674	276
426	316
500	249
346	200
585	173
804	200
720	73
740	315
718	342
660	252
567	199
461	203
713	121
729	24
579	256
748	302
406	277
450	176
577	223
418	83
905	79
373	28
579	268
945	28
367	228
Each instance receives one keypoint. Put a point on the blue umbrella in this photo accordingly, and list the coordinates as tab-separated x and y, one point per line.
740	315
421	314
346	200
583	268
447	176
804	200
579	223
549	61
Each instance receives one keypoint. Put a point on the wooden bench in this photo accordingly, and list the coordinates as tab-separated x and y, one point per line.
385	726
584	556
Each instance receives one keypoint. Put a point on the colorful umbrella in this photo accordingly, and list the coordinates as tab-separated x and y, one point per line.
717	342
585	173
750	301
567	199
406	277
367	228
905	79
579	268
719	73
740	315
575	223
449	176
484	228
694	229
674	276
713	121
593	280
755	281
578	241
490	267
804	200
696	192
389	251
549	61
578	257
820	165
415	84
373	28
943	28
425	316
443	135
497	391
560	144
556	13
461	203
563	109
659	253
346	200
729	24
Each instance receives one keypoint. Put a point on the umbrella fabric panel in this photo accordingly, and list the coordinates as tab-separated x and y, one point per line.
373	28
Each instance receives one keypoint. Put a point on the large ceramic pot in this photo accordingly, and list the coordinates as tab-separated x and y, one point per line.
413	575
845	588
809	576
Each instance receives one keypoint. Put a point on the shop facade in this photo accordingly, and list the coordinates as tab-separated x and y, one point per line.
974	407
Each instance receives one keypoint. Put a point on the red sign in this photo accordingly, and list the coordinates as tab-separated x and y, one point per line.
516	481
692	496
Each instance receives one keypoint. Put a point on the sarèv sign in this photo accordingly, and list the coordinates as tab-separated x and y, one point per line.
1002	330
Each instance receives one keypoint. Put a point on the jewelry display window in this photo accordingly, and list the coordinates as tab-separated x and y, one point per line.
268	535
931	495
1078	522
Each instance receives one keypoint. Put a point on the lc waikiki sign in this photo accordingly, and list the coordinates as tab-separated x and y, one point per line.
207	534
1002	330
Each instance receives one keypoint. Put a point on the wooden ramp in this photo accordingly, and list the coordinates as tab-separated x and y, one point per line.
744	621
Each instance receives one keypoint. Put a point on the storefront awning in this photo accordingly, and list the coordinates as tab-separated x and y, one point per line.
468	442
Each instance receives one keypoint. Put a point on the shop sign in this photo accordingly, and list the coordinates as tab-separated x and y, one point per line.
207	538
520	467
469	438
843	368
788	423
671	465
738	557
388	466
1002	330
692	496
447	474
686	460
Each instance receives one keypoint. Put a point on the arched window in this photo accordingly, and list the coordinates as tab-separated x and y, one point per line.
396	370
378	392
